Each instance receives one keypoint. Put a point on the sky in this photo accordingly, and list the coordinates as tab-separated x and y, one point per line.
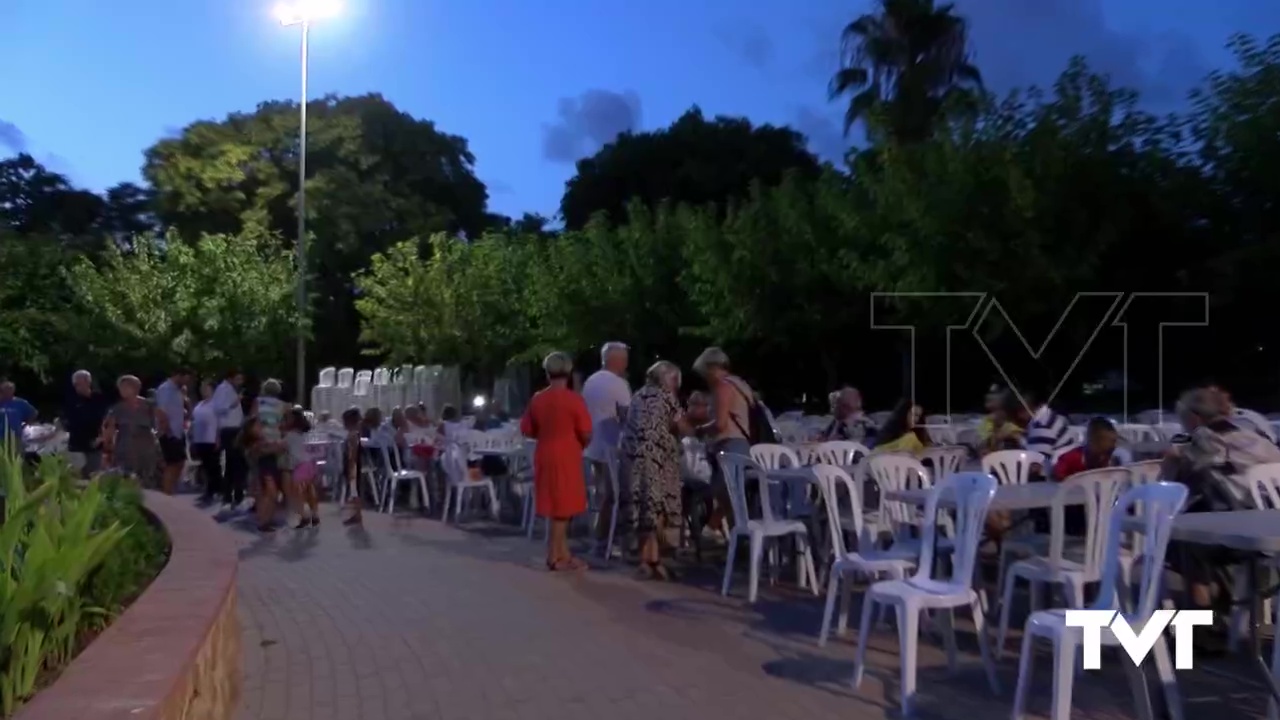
533	86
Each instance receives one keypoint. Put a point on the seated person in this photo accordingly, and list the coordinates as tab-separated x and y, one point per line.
1211	462
850	422
1099	451
902	431
1000	433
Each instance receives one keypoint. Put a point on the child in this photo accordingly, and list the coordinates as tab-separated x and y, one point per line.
351	422
302	469
270	410
255	447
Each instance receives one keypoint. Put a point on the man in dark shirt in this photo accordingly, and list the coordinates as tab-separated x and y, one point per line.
82	417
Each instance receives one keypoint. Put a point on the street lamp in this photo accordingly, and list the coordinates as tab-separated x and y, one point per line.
303	12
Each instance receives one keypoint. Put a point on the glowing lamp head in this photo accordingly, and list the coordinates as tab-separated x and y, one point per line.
306	11
477	402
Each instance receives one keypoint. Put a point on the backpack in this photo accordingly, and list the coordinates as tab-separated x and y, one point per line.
759	429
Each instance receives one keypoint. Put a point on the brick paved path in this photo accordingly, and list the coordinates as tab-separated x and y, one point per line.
412	619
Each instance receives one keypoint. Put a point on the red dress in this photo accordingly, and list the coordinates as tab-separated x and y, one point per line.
558	419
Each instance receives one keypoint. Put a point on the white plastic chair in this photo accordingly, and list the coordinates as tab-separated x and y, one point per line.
972	492
841	453
1013	467
612	465
734	468
774	457
1160	503
458	481
869	561
395	473
945	459
901	471
1099	488
1135	433
1263	482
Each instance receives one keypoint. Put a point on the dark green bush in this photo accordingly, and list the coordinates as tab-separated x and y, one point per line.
137	559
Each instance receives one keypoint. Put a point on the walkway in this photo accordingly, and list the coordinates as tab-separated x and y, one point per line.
411	619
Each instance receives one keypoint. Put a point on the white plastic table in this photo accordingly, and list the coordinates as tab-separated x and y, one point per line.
1007	497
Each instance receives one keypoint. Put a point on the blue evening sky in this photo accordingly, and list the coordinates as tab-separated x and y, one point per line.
88	85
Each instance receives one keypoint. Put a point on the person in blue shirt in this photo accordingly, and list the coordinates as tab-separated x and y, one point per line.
15	414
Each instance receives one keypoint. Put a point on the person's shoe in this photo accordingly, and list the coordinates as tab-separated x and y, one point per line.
315	521
303	524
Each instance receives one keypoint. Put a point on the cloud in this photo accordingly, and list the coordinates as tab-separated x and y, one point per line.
12	138
586	123
749	42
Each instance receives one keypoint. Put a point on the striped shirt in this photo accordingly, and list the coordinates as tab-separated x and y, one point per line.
1047	431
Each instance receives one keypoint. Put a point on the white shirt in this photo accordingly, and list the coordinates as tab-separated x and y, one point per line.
226	401
171	401
604	392
204	423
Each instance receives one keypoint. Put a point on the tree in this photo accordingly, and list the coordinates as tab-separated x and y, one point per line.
694	161
904	65
377	176
219	302
35	200
34	296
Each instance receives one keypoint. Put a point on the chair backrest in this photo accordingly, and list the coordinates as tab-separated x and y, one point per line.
1144	473
841	453
972	492
346	377
1264	485
890	472
453	459
328	376
774	457
937	420
1011	467
833	481
693	456
735	469
1156	504
1135	433
945	459
942	434
792	432
1100	489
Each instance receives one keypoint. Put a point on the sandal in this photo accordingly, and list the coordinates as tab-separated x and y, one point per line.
569	564
303	524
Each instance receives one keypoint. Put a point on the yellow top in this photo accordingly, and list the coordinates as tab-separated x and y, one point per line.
907	443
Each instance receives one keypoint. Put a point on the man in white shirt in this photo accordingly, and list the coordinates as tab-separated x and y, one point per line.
607	395
171	399
226	403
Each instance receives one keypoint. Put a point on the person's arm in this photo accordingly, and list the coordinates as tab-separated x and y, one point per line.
108	436
160	420
679	422
582	422
29	413
528	426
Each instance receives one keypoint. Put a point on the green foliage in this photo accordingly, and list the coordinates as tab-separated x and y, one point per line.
219	302
138	557
33	302
52	540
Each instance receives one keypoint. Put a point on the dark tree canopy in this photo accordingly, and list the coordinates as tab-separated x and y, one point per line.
694	161
375	176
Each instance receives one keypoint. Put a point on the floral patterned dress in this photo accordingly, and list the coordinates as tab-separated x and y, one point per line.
649	458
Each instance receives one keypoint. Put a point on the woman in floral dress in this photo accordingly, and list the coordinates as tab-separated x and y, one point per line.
649	459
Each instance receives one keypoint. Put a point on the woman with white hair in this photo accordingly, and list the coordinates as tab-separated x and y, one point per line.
558	420
129	433
650	464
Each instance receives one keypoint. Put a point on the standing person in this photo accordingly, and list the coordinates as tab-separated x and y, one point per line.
82	416
171	399
270	411
15	415
226	403
607	395
728	429
301	469
205	442
558	419
351	460
253	445
129	433
650	463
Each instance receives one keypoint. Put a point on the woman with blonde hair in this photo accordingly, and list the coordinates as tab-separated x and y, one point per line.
728	428
129	433
558	420
650	464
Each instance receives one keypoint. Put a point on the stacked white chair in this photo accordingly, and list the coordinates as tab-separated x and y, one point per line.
362	392
323	393
1013	467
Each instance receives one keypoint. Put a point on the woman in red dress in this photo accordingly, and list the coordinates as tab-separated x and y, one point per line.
558	419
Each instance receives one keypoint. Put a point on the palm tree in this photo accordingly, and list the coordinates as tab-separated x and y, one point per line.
905	64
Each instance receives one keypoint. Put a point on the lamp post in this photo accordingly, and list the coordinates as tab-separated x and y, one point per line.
303	13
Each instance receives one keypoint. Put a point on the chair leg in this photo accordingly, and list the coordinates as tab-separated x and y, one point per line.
864	638
846	606
1168	680
908	644
1025	666
756	548
447	502
833	583
1064	676
392	487
426	496
728	565
984	644
613	526
493	502
949	638
1006	600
